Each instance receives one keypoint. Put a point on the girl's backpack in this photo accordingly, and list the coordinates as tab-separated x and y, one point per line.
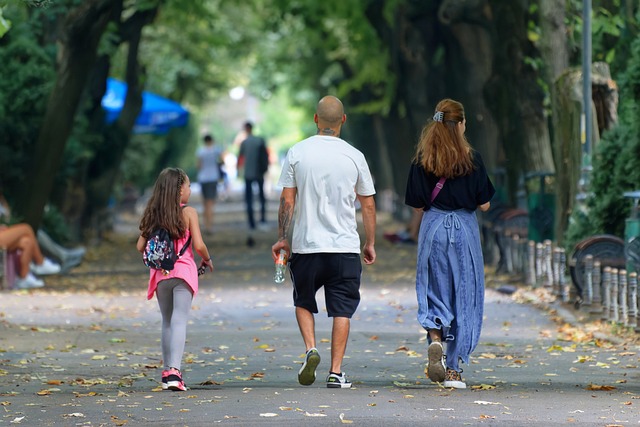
160	252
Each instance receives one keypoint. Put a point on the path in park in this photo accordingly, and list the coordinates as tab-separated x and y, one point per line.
84	351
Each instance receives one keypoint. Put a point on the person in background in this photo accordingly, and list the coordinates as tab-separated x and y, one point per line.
448	182
21	239
209	160
174	289
321	179
254	159
67	257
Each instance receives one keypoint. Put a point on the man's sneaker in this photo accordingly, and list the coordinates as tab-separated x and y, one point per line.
453	379
47	267
165	376
338	380
435	365
28	282
174	380
307	374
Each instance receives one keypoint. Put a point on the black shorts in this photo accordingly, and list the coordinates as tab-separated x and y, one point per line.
209	190
339	273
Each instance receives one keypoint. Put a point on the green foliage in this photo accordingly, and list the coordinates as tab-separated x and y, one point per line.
616	166
317	48
27	72
5	24
609	26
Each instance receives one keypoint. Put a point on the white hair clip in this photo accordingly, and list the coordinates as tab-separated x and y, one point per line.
438	116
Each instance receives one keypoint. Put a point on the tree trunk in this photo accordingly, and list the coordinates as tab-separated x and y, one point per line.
515	97
553	42
567	125
76	55
104	169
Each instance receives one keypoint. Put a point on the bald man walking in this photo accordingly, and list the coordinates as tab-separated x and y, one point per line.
322	176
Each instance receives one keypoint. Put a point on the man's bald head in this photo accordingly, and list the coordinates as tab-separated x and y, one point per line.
330	112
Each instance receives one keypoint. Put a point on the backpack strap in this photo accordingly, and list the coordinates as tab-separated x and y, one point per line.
184	248
187	243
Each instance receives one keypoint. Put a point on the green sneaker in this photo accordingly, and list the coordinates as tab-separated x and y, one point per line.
307	374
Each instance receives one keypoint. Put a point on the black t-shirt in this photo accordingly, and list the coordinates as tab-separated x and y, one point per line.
464	192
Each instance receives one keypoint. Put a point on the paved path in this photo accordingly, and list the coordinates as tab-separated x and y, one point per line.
85	351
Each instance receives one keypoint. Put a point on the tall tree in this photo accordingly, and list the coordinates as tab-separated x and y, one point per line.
76	56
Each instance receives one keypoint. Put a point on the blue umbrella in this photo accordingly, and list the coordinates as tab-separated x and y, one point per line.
157	116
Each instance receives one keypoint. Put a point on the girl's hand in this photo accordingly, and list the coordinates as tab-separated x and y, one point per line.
204	264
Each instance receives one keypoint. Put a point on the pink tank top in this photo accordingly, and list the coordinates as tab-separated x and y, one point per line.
185	269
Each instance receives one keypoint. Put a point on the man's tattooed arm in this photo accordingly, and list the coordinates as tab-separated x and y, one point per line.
285	212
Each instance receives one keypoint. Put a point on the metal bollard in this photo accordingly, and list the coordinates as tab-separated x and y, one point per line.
606	286
555	262
564	291
539	261
548	268
508	252
613	312
633	299
596	304
588	273
623	297
515	255
531	268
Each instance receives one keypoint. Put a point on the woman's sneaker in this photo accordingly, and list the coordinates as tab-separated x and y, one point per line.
338	380
435	365
174	380
453	379
28	282
307	374
47	267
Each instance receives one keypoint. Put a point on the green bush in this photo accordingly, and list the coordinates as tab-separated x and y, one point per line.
616	165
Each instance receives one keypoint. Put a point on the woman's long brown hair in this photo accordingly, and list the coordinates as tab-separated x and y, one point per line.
163	209
443	150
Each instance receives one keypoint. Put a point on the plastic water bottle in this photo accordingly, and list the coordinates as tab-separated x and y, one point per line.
281	266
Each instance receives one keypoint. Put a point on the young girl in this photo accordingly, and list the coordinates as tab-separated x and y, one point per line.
174	289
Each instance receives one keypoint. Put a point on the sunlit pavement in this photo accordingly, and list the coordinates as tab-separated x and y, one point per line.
92	357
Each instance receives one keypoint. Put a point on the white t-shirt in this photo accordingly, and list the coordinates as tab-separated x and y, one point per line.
328	173
209	157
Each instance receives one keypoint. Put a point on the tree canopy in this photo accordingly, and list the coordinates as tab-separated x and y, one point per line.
390	62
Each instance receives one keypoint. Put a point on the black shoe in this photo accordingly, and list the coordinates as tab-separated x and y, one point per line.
250	242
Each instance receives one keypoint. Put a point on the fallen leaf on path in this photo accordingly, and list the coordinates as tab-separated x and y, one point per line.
484	402
345	421
597	387
307	414
483	387
210	382
268	414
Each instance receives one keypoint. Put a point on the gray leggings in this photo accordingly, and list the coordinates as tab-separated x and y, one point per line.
174	298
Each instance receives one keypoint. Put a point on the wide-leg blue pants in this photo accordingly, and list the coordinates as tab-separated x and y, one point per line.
450	280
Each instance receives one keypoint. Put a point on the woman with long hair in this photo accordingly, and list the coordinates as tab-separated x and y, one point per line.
448	182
